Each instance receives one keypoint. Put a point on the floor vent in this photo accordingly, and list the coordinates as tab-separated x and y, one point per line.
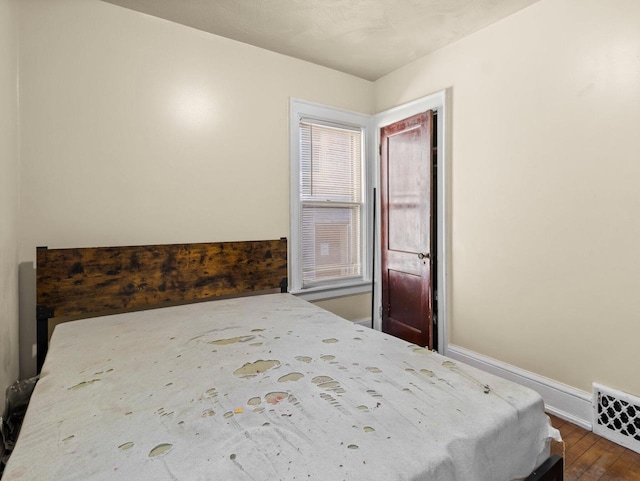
616	416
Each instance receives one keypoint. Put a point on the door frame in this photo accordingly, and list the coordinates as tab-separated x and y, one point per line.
439	102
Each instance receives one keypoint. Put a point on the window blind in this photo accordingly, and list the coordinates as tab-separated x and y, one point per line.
331	197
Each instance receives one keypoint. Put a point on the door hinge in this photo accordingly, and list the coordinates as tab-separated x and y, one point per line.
435	295
380	149
380	312
435	319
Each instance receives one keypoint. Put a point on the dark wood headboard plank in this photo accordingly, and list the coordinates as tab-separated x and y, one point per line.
87	281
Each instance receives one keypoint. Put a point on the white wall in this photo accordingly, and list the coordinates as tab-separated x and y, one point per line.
545	198
136	130
9	196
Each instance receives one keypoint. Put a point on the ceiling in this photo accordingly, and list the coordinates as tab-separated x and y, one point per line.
365	38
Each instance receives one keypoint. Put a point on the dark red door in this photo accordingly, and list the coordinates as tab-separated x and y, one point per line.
406	189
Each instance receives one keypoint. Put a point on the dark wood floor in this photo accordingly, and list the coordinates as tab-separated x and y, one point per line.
589	457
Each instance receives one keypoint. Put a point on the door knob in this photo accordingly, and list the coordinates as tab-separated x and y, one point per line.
422	256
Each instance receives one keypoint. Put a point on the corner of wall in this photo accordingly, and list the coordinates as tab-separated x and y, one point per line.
9	196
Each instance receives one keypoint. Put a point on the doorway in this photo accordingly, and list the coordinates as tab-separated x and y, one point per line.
408	200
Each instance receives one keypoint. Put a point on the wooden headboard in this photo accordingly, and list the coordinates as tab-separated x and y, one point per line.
89	282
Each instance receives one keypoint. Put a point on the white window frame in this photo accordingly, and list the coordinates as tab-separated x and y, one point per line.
300	109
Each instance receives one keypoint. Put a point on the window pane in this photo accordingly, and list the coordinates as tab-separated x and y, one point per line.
331	243
330	161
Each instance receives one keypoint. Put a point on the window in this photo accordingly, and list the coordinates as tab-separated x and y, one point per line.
328	197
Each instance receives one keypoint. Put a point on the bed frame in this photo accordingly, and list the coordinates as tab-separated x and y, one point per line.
90	282
551	470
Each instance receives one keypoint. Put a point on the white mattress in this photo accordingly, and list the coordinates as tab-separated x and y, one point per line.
173	394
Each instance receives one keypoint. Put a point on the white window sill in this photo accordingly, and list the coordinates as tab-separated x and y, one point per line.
327	292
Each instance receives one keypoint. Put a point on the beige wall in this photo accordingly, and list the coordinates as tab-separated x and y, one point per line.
354	308
545	199
9	196
136	130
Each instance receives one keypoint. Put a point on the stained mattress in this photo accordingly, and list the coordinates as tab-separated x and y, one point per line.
267	388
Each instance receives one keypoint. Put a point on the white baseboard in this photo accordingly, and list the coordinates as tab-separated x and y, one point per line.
564	401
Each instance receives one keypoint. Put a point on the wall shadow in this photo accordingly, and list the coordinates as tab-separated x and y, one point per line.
27	323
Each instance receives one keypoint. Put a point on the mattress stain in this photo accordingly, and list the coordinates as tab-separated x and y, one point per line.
327	358
82	384
373	393
233	340
329	385
293	376
363	408
427	372
330	341
321	379
256	344
228	414
68	438
251	369
331	400
254	401
160	449
449	364
368	429
419	349
374	370
303	359
208	412
276	397
126	446
353	446
257	330
212	392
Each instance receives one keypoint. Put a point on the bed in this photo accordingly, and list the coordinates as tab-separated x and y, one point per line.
258	388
